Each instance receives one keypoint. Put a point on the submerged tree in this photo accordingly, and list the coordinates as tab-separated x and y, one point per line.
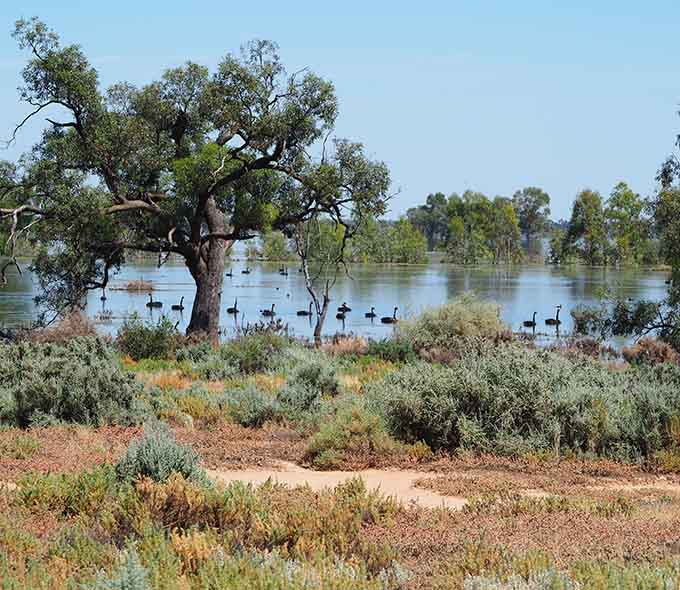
532	205
587	232
186	165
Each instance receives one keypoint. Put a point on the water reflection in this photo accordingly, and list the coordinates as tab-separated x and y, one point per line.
520	291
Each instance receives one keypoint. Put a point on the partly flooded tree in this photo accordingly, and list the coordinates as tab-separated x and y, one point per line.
184	166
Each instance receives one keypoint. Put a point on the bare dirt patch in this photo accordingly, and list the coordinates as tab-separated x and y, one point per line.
398	484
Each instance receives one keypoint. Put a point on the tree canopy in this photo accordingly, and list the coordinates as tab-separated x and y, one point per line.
184	165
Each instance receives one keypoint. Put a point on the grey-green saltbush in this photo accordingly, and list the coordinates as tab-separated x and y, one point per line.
451	325
157	455
511	400
129	575
309	383
250	407
77	381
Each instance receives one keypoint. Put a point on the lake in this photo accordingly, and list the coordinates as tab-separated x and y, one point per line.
520	291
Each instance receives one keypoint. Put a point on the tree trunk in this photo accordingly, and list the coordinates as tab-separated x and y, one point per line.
321	312
209	277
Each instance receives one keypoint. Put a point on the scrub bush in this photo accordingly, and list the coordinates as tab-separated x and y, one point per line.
451	325
395	350
157	455
250	407
144	340
353	434
511	400
78	381
650	351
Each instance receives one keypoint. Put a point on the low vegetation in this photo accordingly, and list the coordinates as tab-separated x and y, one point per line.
142	511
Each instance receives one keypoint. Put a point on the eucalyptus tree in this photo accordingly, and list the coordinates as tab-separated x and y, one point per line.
185	165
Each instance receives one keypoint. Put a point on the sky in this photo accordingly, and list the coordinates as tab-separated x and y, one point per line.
490	96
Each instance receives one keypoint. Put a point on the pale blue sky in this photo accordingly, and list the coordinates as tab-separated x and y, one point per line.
452	95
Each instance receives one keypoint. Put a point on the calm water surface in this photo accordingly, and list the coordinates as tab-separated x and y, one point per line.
519	290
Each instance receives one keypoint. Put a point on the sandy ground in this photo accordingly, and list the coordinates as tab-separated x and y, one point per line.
396	483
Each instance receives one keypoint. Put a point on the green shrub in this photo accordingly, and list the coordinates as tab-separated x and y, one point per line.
129	575
157	455
67	494
250	407
20	446
143	340
79	381
318	375
253	354
395	350
214	368
452	324
512	400
352	434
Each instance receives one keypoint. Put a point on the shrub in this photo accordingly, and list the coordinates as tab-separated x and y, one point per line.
250	407
78	381
451	325
650	351
129	575
512	400
252	354
143	340
309	383
157	455
19	446
546	580
395	350
318	375
352	434
67	494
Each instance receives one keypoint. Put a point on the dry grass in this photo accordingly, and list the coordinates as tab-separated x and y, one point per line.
169	380
341	345
140	285
650	351
73	325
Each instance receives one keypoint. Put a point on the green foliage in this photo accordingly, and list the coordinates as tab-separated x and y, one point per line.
78	381
275	247
157	455
250	407
252	354
432	220
308	385
67	494
587	232
532	206
352	434
396	349
129	575
628	228
453	325
318	374
380	241
482	230
511	400
135	168
145	340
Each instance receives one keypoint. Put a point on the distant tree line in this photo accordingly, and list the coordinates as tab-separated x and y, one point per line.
622	229
472	228
375	241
